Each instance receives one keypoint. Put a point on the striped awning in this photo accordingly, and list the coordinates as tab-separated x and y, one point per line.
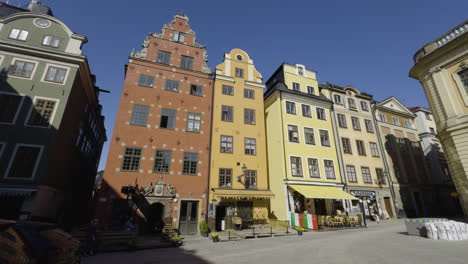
14	192
322	192
242	194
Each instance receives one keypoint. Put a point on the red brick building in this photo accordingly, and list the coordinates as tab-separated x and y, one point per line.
162	133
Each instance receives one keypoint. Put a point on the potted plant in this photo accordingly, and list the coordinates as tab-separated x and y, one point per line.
176	240
299	230
215	237
204	229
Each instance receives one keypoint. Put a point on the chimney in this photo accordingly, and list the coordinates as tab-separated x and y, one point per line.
36	7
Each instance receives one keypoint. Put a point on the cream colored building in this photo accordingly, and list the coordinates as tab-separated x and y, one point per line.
441	66
365	172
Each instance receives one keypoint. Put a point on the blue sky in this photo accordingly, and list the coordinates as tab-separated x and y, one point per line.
368	44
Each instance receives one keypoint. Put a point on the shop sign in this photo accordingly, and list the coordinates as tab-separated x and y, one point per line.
362	193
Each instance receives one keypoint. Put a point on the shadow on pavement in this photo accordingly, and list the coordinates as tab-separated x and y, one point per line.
403	233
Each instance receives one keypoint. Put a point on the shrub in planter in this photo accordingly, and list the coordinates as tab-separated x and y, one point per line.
204	229
215	237
176	240
300	230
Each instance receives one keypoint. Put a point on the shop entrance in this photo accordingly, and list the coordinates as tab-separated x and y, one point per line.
245	212
188	217
388	206
220	216
320	207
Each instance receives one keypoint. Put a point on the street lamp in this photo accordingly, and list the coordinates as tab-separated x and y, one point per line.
244	168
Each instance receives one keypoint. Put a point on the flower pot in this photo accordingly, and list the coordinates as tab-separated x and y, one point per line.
299	233
215	239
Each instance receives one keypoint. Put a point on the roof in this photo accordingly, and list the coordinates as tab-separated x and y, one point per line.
419	108
6	9
34	6
334	86
280	86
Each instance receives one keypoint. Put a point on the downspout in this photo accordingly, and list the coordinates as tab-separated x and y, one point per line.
284	151
208	189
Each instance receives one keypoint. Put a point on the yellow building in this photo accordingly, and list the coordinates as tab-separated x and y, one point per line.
238	169
361	151
303	166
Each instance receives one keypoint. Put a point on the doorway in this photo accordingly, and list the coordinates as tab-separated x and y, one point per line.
188	217
245	212
220	215
320	207
388	206
155	218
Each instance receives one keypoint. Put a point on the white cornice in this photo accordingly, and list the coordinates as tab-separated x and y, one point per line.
259	85
224	77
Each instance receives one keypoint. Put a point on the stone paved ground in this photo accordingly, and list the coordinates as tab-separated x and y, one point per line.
384	243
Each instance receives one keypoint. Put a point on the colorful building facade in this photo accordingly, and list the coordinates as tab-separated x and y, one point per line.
160	143
238	166
304	172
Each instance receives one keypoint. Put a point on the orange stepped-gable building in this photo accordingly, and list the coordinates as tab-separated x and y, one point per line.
160	143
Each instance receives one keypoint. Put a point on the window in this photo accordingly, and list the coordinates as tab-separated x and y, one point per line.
380	176
361	148
229	90
249	93
9	106
338	99
24	162
168	117
18	34
296	86
396	121
431	129
329	169
346	145
164	57
250	146
321	114
383	117
310	90
22	69
226	113
249	116
139	115
290	107
251	179
172	85
178	36
42	113
351	103
351	172
356	124
190	163
306	111
296	167
408	124
309	136
314	171
147	81
364	106
428	116
55	74
324	138
293	134
196	90
225	178
162	161
374	149
464	80
131	159
300	71
186	62
366	176
239	72
369	126
226	144
193	122
342	121
51	41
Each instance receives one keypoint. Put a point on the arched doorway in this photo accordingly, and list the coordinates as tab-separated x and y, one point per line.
155	218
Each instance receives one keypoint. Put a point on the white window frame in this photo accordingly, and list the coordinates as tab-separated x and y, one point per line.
14	155
319	168
298	133
51	41
456	78
298	86
36	64
313	132
19	34
384	119
397	123
290	166
51	121
408	124
17	111
324	113
329	138
43	79
286	108
325	169
376	150
340	101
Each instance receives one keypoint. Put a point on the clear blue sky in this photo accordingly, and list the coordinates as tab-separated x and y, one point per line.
368	44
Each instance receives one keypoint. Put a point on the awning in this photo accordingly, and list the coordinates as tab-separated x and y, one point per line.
322	192
14	192
242	193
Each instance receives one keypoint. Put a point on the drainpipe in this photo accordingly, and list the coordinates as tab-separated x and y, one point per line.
284	153
208	189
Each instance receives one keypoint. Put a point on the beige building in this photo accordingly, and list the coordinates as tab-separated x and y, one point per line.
442	68
365	173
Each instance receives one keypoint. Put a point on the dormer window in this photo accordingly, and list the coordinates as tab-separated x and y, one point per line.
51	41
300	71
351	103
18	34
239	72
178	36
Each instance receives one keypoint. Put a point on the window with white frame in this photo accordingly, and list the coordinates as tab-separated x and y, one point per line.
190	164
250	179
464	80
408	124
250	146
364	106
22	69
55	74
311	90
314	170
227	113
366	175
147	81
396	121
380	176
300	71
338	99
351	103
356	123
9	107
42	112
309	136
139	115
225	178
293	134
342	121
196	90
329	169
321	114
351	172
374	149
164	57
178	36
296	86
428	116
430	129
346	145
324	138
369	125
306	112
249	116
172	86
18	34
193	122
186	62
168	118
239	72
162	161
361	148
24	162
383	117
226	144
290	107
296	166
51	41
